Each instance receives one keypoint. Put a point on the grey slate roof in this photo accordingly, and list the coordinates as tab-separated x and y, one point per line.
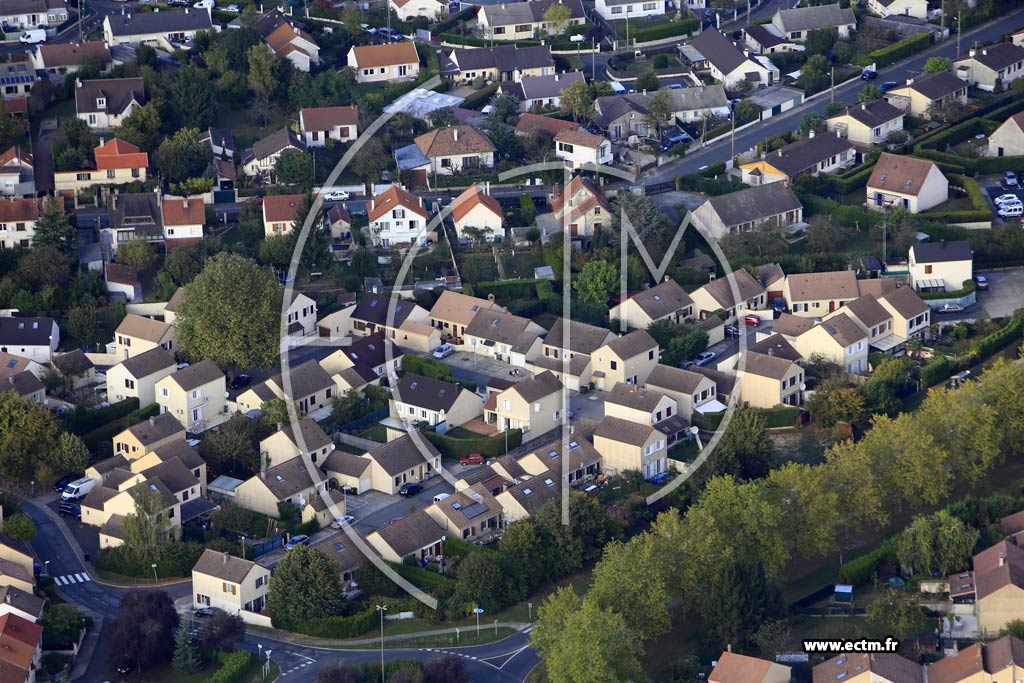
14	7
180	450
538	387
543	87
223	566
663	299
504	14
499	327
632	396
145	364
164	22
345	463
503	58
873	114
138	211
277	141
754	204
764	365
776	345
427	392
411	533
25	331
632	344
617	429
998	56
156	428
401	454
374	308
198	374
721	289
807	18
801	155
938	85
674	379
765	37
174	474
719	50
583	338
941	252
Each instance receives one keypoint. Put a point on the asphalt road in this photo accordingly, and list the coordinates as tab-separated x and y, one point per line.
845	93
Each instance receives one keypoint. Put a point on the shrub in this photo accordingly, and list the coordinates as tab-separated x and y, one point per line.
480	97
780	416
174	559
423	578
100	438
487	446
453	20
992	343
851	216
935	372
669	30
341	627
427	367
83	419
860	570
711	186
508	289
233	666
898	50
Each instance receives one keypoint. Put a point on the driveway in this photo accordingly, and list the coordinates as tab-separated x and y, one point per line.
588	406
480	369
1005	292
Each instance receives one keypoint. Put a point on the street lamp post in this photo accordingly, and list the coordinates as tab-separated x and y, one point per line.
477	611
530	606
263	667
155	578
268	663
382	610
46	567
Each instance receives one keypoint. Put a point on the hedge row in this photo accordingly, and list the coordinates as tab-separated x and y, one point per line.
780	416
851	216
978	214
487	446
426	367
509	289
341	627
710	186
234	666
453	20
994	342
898	50
174	559
669	30
935	371
948	162
101	436
424	579
472	41
83	420
859	571
853	181
480	97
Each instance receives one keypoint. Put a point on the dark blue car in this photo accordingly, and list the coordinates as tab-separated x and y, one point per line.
662	478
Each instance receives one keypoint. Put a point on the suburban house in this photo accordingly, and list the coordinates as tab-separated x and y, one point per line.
524	20
881	667
541	92
690	390
279	213
104	104
502	63
813	295
921	96
626	445
136	335
383	63
301	315
986	67
319	124
401	461
728	65
839	340
1008	139
867	123
116	162
223	581
18	78
397	218
220	143
16	565
18	221
533	405
288	40
33	338
620	9
813	155
24	376
767	39
718	295
581	150
415	398
407	10
29	14
641	405
178	450
874	320
287	444
147	436
17	173
312	388
997	660
259	160
193	395
454	311
572	345
417	536
184	218
768	380
629	358
476	209
665	301
795	24
21	648
381	313
455	149
163	29
532	124
581	207
940	266
348	471
911	316
525	498
773	204
504	337
999	585
60	60
468	514
285	482
913	184
122	281
21	603
905	8
734	668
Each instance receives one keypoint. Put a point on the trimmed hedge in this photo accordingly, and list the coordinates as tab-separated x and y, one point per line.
427	367
101	436
710	186
480	97
487	446
904	48
669	30
424	578
340	627
83	420
473	41
978	214
510	289
234	666
780	416
452	21
175	559
851	216
859	571
996	341
936	371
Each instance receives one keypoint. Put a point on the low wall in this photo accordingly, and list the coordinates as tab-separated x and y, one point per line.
254	619
983	225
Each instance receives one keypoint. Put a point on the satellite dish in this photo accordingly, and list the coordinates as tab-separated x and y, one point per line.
694	430
803	387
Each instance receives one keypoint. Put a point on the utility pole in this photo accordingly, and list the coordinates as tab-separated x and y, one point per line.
732	136
593	58
832	88
81	13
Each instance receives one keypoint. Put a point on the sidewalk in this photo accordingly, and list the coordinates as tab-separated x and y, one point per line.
329	644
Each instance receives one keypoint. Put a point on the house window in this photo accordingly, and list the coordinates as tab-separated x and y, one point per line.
927	270
111	173
650	6
202	599
650	355
164	392
229	588
402	69
523	28
536	407
101	102
614	365
129	384
195	393
616	10
135	173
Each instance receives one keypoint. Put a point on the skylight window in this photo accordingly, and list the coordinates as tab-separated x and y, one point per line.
527	492
553	454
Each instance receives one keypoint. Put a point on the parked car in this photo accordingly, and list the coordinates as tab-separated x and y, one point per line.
234	9
33	36
673	140
442	496
887	86
661	478
65	480
410	489
443	351
980	282
297	540
731	331
752	319
471	459
687	364
869	75
204	612
240	381
70	510
342	521
705	357
951	308
577	38
1010	179
1006	199
368	29
335	195
78	489
1011	210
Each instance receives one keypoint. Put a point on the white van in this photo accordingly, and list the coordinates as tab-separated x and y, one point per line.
1011	210
33	36
78	489
205	4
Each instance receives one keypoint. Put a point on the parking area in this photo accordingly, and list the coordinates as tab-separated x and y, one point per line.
588	406
480	369
995	186
1004	294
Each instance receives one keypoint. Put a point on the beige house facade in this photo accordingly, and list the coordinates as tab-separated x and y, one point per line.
222	581
136	377
194	395
629	359
534	406
626	445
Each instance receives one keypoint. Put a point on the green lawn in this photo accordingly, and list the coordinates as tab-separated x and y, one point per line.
952	204
243	127
165	674
375	432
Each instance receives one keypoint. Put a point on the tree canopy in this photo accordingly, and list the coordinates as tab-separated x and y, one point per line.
305	585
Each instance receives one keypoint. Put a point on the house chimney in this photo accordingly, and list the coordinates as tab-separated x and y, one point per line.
838	134
280	426
984	51
455	134
810	133
7	598
645	92
226	556
152	422
771	352
728	648
972	53
864	106
1002	560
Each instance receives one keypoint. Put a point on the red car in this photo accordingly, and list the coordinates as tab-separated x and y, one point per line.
751	319
472	459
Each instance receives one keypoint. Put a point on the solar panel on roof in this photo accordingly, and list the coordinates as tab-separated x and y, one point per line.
474	510
12	363
457	506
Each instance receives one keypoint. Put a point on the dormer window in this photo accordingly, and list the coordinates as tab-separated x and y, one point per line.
101	102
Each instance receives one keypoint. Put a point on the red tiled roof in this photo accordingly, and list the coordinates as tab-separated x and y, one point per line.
14	210
472	197
392	197
122	274
281	207
119	154
190	211
531	123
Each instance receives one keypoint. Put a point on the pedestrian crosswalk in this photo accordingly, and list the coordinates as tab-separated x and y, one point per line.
68	579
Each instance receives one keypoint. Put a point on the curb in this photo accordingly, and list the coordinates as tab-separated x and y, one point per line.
329	644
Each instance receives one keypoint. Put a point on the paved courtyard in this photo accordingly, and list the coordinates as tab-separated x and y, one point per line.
1005	292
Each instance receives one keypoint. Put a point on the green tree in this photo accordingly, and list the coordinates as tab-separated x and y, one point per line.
646	217
898	613
193	97
481	582
745	450
647	80
690	341
231	313
810	122
771	637
141	127
61	625
809	505
295	168
556	18
505	106
834	109
442	118
658	106
20	527
626	581
233	449
262	80
522	551
746	111
136	254
70	454
371	160
53	228
594	646
186	659
823	236
739	601
305	585
936	65
182	156
870	93
26	430
44	266
596	282
80	322
936	541
832	404
821	40
1014	627
147	528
